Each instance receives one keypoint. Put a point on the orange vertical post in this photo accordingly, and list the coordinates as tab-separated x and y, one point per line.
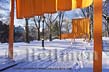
11	31
97	36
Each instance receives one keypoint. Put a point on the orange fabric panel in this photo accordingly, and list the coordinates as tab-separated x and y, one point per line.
74	26
37	6
67	36
85	26
84	22
23	8
80	27
79	3
27	8
88	26
86	3
19	9
63	5
49	6
74	4
64	36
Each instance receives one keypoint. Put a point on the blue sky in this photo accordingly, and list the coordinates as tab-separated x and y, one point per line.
4	7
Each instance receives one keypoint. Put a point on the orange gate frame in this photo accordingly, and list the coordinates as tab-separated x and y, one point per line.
97	34
11	31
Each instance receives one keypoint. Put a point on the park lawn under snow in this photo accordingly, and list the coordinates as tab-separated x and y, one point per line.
58	56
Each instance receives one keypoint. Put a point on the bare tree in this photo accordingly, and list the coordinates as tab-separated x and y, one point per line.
27	31
61	17
88	13
67	24
50	20
106	17
37	22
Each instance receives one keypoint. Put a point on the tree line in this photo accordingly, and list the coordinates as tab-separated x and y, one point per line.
4	32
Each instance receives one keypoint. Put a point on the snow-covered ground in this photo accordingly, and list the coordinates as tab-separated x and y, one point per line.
57	56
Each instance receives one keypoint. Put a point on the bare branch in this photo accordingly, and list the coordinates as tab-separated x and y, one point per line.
35	23
62	19
47	23
55	18
83	12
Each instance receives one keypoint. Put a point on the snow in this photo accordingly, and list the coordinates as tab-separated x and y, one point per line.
58	56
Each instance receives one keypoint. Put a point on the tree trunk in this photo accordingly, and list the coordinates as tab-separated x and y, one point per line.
50	35
27	31
108	34
60	33
38	34
90	36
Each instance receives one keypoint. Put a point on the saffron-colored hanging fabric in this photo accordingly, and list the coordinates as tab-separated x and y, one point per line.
81	3
19	9
24	8
80	28
86	3
37	7
29	8
49	6
74	26
63	5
